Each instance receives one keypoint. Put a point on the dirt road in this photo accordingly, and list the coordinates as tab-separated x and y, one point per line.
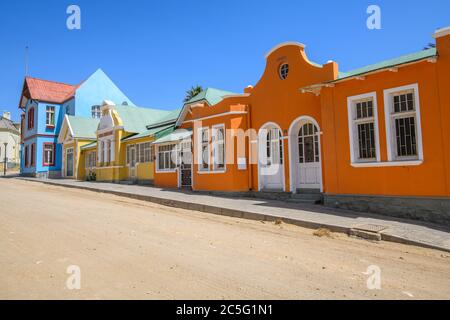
129	249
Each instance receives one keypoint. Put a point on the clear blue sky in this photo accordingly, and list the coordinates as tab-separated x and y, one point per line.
155	50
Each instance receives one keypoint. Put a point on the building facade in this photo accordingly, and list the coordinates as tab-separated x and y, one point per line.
122	150
9	142
373	139
45	104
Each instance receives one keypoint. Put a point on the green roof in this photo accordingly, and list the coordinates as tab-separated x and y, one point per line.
83	127
210	95
148	133
390	63
136	119
89	145
172	116
174	136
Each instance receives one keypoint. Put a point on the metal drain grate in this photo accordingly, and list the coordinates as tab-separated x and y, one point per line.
371	228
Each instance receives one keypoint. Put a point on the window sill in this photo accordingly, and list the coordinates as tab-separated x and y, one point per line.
166	171
211	172
407	163
50	126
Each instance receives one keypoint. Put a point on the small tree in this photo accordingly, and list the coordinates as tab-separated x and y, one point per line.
192	92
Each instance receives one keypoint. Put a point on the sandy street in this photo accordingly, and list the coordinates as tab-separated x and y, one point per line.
129	249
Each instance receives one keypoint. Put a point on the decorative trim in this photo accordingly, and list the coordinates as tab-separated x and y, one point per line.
387	114
387	164
293	188
283	44
441	32
40	135
217	115
48	164
350	103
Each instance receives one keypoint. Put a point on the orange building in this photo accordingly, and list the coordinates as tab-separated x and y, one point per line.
374	139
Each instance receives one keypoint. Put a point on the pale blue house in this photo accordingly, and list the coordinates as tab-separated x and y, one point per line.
45	103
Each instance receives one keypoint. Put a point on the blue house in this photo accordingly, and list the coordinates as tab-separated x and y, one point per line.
44	104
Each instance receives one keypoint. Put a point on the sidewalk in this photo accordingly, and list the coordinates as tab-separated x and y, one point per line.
304	215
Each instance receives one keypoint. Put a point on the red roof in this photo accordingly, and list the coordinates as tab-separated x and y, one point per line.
49	91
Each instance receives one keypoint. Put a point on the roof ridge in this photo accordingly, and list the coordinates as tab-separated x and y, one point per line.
58	82
390	59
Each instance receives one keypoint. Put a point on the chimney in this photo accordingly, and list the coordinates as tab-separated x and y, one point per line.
442	37
7	115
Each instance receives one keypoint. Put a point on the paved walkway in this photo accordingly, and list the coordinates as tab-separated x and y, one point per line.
305	215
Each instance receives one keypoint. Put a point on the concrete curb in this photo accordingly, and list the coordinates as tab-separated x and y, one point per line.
241	214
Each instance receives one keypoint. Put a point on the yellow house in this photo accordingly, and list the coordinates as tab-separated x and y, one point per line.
75	133
124	149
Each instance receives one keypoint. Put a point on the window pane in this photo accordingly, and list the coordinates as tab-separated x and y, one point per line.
366	141
406	136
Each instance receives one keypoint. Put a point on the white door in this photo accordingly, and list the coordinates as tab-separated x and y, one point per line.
69	162
271	162
309	166
132	162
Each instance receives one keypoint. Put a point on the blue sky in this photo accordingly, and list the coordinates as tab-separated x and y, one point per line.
155	50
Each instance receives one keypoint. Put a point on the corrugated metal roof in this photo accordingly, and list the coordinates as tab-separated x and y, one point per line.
89	145
211	95
83	127
136	119
389	63
148	133
177	135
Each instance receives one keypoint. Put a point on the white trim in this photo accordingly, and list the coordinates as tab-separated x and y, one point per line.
114	128
211	172
218	126
110	167
293	187
73	162
441	32
200	149
237	95
186	108
283	44
352	134
387	164
157	170
272	124
217	115
387	112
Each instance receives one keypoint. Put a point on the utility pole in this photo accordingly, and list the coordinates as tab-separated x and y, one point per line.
26	61
5	161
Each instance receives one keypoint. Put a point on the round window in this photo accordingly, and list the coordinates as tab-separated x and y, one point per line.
284	70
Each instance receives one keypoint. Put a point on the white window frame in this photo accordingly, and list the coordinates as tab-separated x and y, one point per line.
49	111
214	143
101	152
108	151
91	160
143	147
175	148
353	132
200	144
96	112
390	131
